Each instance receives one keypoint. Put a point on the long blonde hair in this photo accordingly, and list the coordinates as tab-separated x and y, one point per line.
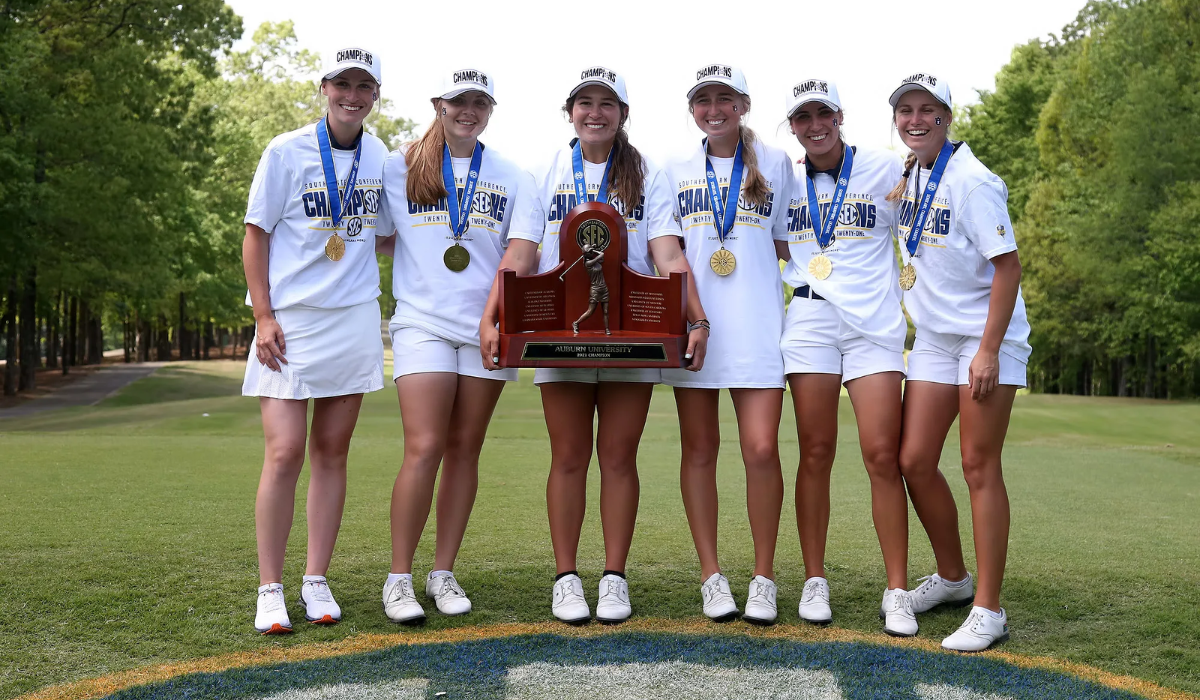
424	160
898	191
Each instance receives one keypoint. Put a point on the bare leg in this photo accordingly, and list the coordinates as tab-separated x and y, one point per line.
473	406
700	440
426	402
332	425
569	407
877	407
815	399
622	407
285	427
604	306
929	411
982	428
758	413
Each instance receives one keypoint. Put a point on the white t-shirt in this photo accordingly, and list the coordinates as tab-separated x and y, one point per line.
745	307
648	220
288	200
863	286
967	226
429	295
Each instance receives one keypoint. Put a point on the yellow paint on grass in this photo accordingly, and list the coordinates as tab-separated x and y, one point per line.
106	685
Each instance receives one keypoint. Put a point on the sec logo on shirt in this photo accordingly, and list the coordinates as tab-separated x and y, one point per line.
371	201
354	227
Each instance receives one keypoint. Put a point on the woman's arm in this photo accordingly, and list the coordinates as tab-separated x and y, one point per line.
668	258
269	345
522	256
984	372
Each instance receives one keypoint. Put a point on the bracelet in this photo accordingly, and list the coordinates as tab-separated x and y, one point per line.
702	323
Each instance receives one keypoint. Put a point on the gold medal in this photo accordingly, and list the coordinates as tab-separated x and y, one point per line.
908	277
456	258
820	267
335	248
722	262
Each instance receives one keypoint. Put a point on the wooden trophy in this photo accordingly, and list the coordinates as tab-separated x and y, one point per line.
592	310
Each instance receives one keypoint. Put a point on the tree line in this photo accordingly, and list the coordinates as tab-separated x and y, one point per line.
129	134
1095	133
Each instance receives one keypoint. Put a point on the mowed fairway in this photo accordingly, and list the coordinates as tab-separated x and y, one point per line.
128	531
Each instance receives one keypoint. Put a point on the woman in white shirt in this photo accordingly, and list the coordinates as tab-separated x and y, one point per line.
309	257
845	327
455	204
613	171
732	195
962	282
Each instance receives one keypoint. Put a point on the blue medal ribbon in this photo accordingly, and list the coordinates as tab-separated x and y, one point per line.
581	181
460	212
827	225
922	213
724	211
338	201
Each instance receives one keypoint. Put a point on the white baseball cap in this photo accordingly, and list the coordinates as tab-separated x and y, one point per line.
605	77
814	90
720	74
465	80
343	60
940	89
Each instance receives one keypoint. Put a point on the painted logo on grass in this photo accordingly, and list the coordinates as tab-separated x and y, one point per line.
633	666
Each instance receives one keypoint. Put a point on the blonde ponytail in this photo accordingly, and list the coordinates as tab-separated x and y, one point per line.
898	191
424	160
754	185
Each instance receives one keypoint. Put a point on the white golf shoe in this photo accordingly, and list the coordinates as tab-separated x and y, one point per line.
899	620
568	604
447	594
400	602
613	605
718	599
935	590
319	606
760	602
272	617
981	630
814	602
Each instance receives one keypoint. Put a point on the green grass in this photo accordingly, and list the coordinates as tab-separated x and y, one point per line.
129	530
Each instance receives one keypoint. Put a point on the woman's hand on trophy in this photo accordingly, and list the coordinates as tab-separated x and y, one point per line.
489	345
697	345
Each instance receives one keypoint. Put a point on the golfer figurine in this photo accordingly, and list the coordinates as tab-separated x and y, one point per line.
593	260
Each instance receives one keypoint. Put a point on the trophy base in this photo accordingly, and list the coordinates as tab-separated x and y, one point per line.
630	349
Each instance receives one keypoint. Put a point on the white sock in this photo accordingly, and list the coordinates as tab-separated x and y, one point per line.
308	578
440	572
995	615
956	584
268	586
392	578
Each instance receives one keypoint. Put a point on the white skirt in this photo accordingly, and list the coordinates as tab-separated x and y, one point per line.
330	352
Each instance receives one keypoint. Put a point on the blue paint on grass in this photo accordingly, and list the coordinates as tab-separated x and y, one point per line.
477	669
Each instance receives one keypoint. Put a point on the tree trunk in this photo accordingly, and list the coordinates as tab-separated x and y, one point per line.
163	352
81	333
143	339
1151	363
181	333
53	327
10	338
68	349
30	357
95	339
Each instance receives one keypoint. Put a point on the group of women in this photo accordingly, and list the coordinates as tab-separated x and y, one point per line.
452	212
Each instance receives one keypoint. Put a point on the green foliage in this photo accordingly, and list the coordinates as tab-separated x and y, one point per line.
1094	134
128	139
